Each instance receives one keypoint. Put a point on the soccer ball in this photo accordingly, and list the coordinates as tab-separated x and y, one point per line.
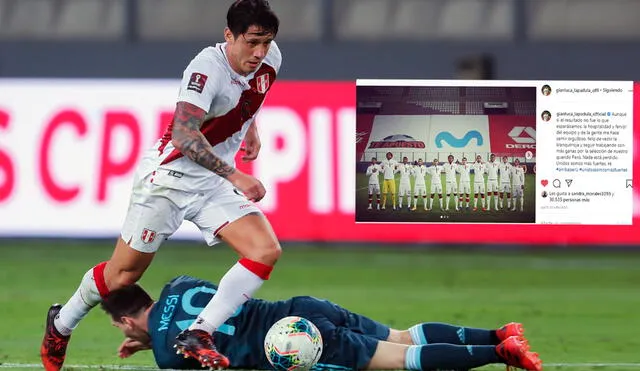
293	343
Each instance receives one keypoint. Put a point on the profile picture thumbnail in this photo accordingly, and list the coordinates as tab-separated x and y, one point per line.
546	116
546	90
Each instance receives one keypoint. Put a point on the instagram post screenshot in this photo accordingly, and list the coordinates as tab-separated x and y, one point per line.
536	152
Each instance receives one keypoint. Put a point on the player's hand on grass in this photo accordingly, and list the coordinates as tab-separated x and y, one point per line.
130	347
251	187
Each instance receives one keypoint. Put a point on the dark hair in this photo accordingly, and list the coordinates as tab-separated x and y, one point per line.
127	301
243	14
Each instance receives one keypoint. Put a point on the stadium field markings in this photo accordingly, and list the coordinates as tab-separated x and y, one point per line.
125	367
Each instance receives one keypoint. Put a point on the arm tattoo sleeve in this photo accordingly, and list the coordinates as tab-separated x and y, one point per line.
188	139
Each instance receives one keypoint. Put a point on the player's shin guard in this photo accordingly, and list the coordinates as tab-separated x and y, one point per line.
89	294
370	199
449	357
236	287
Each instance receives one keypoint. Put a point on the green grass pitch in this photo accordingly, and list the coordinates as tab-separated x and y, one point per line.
438	215
577	307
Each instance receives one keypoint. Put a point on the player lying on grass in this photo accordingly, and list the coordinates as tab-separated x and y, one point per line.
351	341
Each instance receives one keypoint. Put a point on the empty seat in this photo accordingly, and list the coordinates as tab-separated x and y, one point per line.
361	19
30	19
183	19
83	19
476	19
299	19
584	19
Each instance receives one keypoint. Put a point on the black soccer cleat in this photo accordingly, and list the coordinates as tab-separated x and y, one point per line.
198	344
54	345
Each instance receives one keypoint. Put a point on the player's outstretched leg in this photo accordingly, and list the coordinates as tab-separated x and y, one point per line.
252	237
61	321
436	332
125	267
513	352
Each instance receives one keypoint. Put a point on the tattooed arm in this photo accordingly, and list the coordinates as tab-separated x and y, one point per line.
188	139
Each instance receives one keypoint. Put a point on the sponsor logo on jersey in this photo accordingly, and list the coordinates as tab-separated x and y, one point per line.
262	83
454	142
397	141
148	235
197	82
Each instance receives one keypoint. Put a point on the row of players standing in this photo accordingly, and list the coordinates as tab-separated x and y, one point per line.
503	179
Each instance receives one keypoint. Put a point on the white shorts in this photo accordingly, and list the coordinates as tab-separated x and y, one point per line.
452	187
374	188
436	187
405	189
505	187
156	212
517	191
465	187
419	190
492	186
478	188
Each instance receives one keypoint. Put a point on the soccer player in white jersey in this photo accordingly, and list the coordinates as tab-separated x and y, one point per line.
450	169
435	171
479	169
405	182
373	172
190	175
419	173
492	181
389	170
465	182
517	174
505	181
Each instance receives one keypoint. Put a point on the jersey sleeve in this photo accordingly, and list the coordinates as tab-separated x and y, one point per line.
200	81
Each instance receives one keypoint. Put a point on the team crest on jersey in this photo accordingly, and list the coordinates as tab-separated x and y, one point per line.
148	235
262	83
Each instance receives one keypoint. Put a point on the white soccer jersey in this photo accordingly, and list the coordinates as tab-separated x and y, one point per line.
436	182
405	173
464	171
492	170
478	170
450	172
517	174
374	176
231	102
419	174
434	171
389	168
505	172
